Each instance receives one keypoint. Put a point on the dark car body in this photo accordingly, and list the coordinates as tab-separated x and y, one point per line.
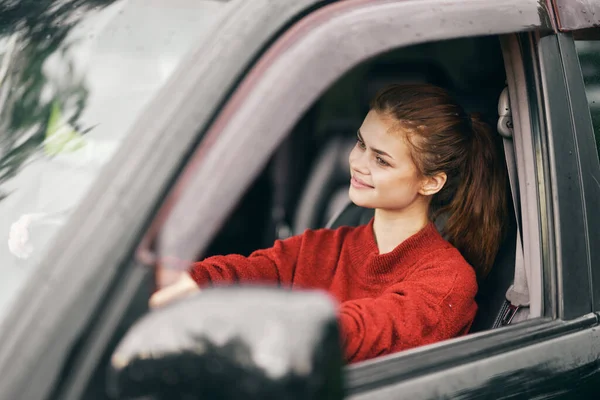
198	133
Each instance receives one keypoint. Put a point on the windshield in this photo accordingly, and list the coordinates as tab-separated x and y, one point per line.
74	75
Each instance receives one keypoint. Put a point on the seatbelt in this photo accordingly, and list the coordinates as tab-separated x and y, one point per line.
516	307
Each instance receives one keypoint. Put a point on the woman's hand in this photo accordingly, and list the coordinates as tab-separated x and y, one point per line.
183	287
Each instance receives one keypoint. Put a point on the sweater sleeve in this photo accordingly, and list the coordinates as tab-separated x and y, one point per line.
272	265
430	306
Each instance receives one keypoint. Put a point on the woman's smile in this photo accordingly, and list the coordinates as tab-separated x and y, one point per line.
360	184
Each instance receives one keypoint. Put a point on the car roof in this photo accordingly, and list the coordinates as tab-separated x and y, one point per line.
576	14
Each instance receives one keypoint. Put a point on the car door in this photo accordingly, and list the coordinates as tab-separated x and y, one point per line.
554	353
48	322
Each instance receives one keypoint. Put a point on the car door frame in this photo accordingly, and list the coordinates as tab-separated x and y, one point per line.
525	353
588	160
575	171
571	18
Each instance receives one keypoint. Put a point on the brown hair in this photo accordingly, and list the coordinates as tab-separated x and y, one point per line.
443	138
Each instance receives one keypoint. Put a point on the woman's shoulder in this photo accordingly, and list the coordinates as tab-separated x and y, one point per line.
446	254
448	259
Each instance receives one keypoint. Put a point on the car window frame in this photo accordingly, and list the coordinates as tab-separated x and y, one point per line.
227	127
589	159
566	133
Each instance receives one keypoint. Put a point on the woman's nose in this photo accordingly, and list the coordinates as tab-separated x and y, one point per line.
358	161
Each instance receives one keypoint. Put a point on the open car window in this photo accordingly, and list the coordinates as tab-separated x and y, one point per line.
255	121
74	76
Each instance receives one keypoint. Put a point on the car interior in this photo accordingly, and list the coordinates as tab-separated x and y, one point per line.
305	186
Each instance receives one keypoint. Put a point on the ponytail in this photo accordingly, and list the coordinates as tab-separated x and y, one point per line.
478	208
443	138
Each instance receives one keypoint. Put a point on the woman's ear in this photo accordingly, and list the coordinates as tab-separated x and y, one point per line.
433	184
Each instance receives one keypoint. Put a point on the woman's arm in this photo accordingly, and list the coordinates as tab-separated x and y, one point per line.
274	265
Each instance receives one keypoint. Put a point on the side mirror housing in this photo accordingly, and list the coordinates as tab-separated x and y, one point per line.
229	343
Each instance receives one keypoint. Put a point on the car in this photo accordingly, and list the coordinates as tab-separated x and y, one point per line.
139	135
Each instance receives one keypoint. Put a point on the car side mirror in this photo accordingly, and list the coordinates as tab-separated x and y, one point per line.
230	343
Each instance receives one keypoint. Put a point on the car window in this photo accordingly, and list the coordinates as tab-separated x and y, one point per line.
588	52
74	75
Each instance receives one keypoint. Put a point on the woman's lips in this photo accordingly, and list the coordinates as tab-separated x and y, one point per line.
357	183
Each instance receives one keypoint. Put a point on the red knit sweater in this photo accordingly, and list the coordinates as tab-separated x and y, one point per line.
421	292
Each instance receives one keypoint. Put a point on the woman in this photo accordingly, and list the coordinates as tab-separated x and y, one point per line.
399	283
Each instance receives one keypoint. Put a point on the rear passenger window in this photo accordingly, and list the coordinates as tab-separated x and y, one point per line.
589	58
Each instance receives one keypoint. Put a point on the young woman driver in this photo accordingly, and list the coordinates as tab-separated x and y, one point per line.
398	282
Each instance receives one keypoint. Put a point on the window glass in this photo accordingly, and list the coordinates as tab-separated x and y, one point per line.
589	58
74	76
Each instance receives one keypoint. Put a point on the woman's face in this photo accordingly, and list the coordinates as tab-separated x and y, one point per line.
383	173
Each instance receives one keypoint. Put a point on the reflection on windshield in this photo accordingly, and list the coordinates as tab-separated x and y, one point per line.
74	75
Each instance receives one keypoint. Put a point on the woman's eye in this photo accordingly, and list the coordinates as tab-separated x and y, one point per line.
360	144
381	161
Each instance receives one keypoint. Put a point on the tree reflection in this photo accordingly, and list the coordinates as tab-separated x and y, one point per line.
30	32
